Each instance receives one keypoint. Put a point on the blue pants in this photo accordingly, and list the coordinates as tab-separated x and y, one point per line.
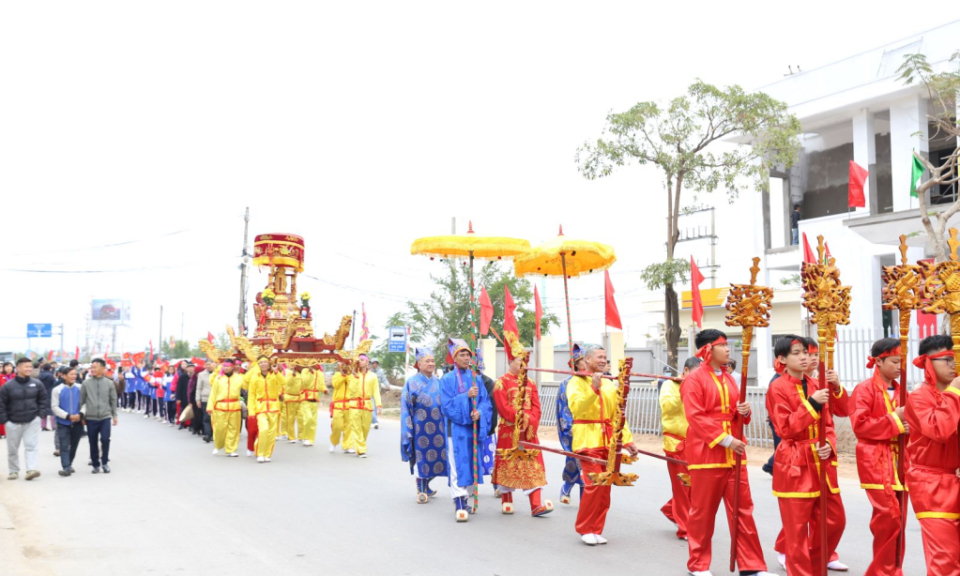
69	437
99	430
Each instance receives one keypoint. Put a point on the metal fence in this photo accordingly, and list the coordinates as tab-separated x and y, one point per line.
853	347
643	411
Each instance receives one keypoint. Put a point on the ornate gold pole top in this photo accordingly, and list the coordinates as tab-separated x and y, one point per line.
749	305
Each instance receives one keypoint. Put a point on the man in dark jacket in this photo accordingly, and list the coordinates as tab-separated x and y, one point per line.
184	372
49	383
23	401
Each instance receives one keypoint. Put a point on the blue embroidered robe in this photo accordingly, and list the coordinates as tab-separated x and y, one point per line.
423	440
456	408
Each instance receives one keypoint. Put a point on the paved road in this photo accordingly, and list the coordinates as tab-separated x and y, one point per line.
170	508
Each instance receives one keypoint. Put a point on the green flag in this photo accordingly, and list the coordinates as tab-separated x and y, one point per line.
915	176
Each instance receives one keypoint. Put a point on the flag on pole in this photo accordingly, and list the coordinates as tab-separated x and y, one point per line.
209	337
915	175
151	351
855	195
365	334
509	319
76	353
612	314
808	256
107	353
49	355
695	279
538	310
486	311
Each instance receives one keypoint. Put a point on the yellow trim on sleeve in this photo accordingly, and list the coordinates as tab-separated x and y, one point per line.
806	403
797	494
708	466
955	391
718	439
898	421
945	515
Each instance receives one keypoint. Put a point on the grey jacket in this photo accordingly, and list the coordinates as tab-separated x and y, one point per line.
98	399
203	386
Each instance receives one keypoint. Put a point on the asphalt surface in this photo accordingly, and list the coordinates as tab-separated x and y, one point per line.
171	508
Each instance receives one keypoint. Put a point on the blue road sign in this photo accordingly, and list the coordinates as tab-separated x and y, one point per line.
398	339
39	330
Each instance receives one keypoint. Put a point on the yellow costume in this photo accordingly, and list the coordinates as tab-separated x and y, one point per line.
589	420
312	384
291	400
224	407
363	390
672	418
263	401
339	410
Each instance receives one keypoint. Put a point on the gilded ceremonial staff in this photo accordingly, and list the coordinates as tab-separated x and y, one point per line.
942	288
903	291
518	452
612	475
748	306
829	305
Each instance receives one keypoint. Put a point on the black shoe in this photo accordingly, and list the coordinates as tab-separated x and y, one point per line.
207	439
96	470
767	469
106	469
64	472
71	470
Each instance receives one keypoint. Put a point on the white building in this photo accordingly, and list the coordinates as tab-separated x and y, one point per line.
853	109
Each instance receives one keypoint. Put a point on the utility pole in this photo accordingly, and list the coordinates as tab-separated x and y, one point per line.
242	316
182	319
61	338
113	341
353	331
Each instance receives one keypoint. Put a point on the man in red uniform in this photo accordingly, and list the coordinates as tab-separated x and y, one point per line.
877	421
796	405
515	473
711	400
932	413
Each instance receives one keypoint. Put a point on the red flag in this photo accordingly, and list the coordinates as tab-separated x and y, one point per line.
209	337
486	311
826	248
695	279
151	351
538	311
107	353
855	196
49	355
509	320
612	314
76	353
808	255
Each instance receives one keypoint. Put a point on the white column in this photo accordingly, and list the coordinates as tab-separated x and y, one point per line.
908	117
488	347
865	154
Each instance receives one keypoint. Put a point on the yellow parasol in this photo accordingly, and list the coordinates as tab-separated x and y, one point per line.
471	246
565	257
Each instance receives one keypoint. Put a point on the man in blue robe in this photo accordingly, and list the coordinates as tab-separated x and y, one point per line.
571	470
423	441
466	407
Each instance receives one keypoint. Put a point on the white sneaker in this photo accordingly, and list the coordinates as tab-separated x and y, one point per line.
589	539
261	459
307	443
249	453
333	448
216	451
837	566
146	415
701	573
232	455
282	437
600	539
364	455
349	451
782	560
265	459
292	441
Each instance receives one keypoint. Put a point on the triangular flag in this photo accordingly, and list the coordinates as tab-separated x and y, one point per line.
538	310
612	315
151	351
855	195
209	337
695	279
76	353
486	311
509	320
808	255
916	173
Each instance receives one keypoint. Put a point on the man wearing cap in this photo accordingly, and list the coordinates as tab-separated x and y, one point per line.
466	407
312	384
422	440
223	405
364	394
571	470
512	474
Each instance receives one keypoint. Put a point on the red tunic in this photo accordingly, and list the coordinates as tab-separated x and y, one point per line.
709	402
932	452
877	428
515	473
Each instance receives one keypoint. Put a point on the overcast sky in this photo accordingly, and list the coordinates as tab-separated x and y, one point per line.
132	136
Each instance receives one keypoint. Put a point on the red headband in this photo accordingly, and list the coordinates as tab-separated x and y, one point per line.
872	360
925	361
705	352
778	366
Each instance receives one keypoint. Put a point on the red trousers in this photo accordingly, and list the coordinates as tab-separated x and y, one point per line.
677	510
801	530
595	501
707	487
941	546
885	527
252	432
